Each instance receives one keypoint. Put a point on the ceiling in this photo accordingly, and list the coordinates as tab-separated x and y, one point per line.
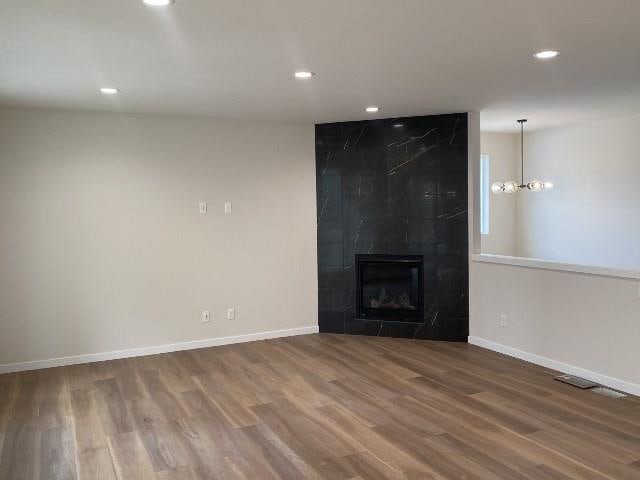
236	58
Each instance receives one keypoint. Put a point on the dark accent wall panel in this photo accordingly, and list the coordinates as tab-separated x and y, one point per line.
396	187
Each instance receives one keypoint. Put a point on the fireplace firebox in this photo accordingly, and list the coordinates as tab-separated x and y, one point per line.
390	287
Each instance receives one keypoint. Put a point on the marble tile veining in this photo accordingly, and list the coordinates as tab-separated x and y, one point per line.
397	190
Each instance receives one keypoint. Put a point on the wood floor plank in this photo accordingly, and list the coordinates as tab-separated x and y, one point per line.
180	473
231	406
20	450
129	457
112	407
615	445
380	447
95	464
54	405
321	407
129	379
88	429
9	388
543	472
278	460
57	458
26	401
206	444
308	438
163	444
455	416
365	465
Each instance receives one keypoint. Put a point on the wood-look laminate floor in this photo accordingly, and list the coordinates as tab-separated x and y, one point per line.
316	406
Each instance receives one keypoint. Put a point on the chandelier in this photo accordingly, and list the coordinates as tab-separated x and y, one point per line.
511	186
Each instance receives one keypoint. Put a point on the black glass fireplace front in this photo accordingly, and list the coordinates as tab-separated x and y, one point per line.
390	287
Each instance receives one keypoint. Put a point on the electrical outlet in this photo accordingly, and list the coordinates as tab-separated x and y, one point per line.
206	316
203	208
503	320
231	313
227	207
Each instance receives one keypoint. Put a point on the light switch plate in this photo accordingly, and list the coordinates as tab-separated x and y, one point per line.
227	207
206	316
203	208
231	313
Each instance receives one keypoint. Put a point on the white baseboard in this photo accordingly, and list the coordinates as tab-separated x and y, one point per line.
605	380
152	350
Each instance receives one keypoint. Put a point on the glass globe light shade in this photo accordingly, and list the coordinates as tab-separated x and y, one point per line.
548	185
510	187
497	187
535	185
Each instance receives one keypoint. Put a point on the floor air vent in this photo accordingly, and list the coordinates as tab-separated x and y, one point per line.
607	392
585	384
576	381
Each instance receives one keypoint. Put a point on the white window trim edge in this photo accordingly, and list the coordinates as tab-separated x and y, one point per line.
557	266
485	213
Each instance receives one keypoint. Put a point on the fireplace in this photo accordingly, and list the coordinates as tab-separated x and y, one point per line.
390	287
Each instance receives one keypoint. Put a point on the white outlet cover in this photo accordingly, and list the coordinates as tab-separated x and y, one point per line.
231	313
503	320
227	207
203	208
206	316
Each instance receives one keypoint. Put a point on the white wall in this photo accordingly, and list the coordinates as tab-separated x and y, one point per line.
586	321
503	150
583	323
102	245
592	216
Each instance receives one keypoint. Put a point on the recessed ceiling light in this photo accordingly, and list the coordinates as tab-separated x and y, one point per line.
109	90
158	3
372	109
304	74
545	54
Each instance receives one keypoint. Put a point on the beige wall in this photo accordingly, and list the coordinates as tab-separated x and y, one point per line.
103	247
503	152
582	323
592	216
587	321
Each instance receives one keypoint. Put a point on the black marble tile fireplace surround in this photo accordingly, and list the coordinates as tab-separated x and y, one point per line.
392	227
